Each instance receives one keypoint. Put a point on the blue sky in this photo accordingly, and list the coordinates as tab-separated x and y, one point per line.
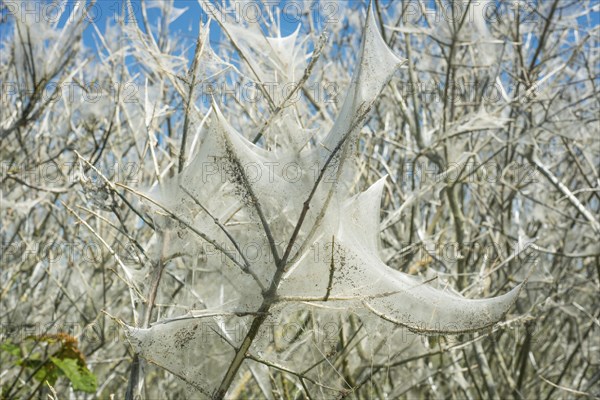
109	11
187	24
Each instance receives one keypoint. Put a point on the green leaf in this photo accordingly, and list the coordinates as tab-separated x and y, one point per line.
81	378
11	348
47	372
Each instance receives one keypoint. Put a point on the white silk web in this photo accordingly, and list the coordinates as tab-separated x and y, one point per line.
235	204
